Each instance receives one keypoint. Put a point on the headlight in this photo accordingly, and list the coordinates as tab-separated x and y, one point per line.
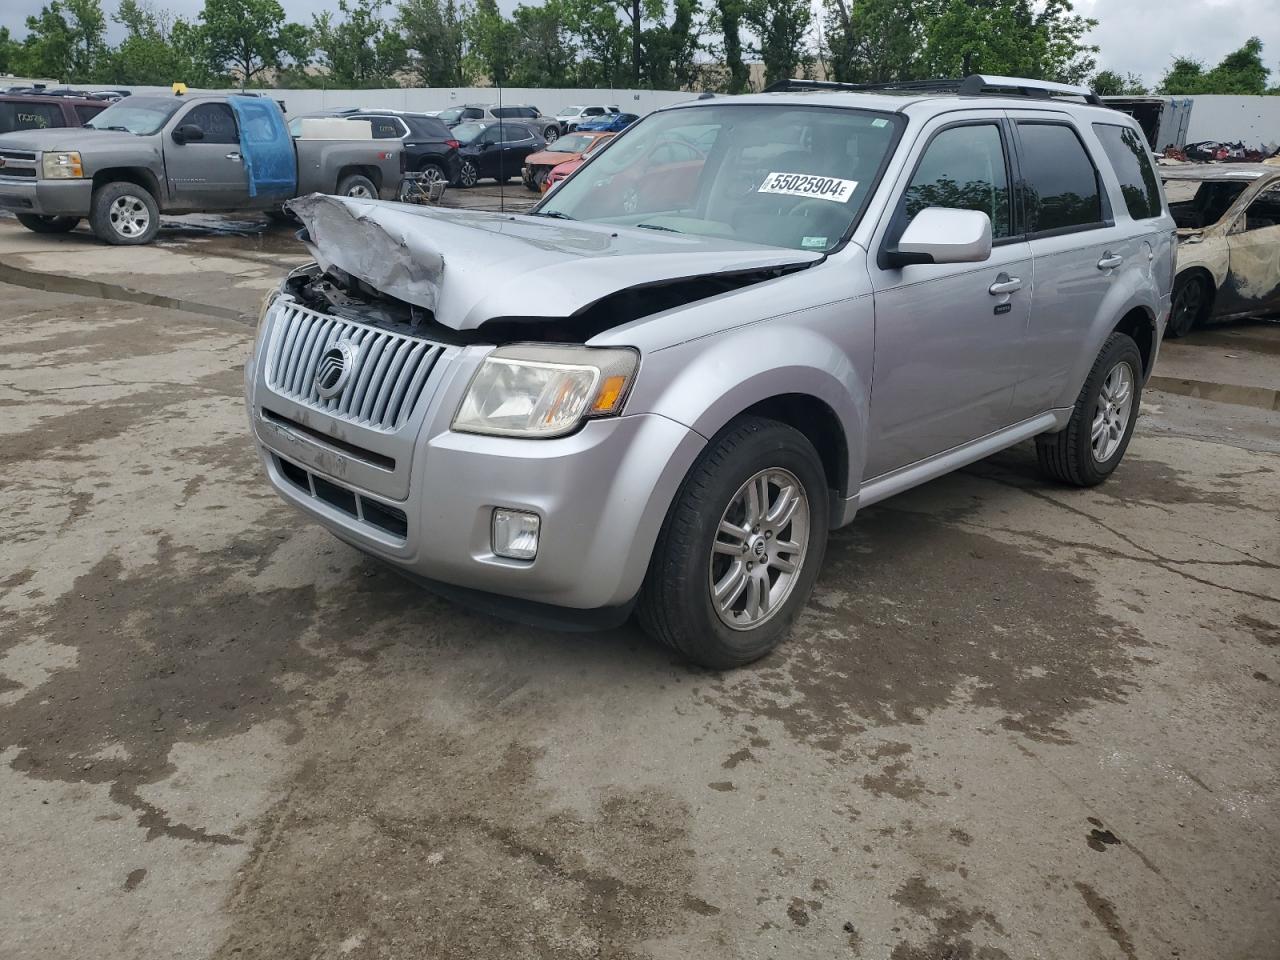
530	390
62	166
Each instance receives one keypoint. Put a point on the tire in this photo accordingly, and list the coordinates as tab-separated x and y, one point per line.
40	224
468	176
124	214
432	171
1192	299
1073	455
357	185
676	603
551	134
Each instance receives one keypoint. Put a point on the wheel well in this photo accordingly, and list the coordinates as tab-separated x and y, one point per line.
1140	326
821	427
1211	288
373	173
142	178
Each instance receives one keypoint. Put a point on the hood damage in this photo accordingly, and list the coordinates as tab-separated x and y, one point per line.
499	276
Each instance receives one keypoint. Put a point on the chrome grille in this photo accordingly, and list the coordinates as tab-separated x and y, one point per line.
389	371
17	163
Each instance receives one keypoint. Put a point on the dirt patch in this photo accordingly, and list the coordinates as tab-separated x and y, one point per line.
1105	912
432	842
913	615
952	925
1264	631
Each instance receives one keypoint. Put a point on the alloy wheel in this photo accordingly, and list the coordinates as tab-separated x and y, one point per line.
1111	416
468	174
759	549
129	216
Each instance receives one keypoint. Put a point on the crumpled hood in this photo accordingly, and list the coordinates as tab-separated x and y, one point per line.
65	138
469	266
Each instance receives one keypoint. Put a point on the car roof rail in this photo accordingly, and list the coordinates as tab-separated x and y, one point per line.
972	86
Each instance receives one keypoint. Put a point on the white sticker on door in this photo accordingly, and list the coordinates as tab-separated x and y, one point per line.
808	185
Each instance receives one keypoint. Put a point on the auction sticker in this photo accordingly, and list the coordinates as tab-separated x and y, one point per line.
808	185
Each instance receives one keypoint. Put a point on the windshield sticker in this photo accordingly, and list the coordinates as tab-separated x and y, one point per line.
880	122
813	243
807	185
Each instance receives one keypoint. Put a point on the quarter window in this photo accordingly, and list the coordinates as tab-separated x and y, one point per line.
1128	155
963	168
1059	182
385	128
215	120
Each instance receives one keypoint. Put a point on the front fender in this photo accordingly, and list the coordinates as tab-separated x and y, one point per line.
823	352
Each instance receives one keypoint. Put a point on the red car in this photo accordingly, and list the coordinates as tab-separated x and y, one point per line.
665	178
570	147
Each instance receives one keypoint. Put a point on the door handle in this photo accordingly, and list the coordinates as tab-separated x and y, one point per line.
1004	284
1110	260
233	155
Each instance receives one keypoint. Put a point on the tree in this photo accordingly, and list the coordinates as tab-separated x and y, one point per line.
545	49
602	42
250	38
433	32
878	41
491	41
782	27
1010	38
1108	83
149	54
65	40
360	50
670	51
727	19
1241	72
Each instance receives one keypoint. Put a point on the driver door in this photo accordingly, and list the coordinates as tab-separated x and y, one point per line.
206	174
948	336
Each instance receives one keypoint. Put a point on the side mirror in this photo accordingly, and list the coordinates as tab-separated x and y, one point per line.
487	145
944	235
187	133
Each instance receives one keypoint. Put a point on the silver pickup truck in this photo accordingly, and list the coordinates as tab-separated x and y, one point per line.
181	154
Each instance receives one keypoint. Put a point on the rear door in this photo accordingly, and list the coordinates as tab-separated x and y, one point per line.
1078	251
206	174
1253	278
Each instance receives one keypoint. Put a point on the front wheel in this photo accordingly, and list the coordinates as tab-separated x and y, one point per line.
1191	299
124	214
740	548
551	134
1093	443
41	224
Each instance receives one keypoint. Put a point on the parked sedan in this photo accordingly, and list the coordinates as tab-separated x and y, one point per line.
614	123
496	150
429	146
575	146
1228	218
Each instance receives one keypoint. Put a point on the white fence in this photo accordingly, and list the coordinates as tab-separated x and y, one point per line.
1253	120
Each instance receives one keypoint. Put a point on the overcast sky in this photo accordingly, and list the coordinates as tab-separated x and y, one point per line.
1139	36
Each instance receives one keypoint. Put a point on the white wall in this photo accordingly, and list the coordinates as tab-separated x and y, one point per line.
1253	120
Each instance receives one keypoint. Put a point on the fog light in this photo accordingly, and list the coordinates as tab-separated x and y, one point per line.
515	534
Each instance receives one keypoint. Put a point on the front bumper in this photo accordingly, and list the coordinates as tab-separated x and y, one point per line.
49	198
602	492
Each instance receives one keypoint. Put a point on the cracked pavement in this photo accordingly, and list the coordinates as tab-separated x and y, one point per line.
1016	720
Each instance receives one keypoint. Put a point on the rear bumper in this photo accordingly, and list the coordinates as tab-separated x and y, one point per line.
49	198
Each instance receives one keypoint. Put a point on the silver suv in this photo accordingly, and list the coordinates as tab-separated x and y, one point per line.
716	341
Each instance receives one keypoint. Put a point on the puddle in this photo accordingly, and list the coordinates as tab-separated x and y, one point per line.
82	287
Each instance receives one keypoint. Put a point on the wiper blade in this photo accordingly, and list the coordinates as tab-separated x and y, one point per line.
655	226
553	214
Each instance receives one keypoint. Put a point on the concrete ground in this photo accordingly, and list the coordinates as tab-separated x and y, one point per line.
1015	721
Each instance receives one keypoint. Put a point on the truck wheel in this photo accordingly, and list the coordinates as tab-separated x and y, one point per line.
41	224
1191	301
1093	443
358	186
740	548
124	214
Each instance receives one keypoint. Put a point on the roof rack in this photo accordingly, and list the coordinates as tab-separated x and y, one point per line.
972	86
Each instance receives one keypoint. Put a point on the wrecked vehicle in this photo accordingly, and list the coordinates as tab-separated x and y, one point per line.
1228	219
179	154
666	408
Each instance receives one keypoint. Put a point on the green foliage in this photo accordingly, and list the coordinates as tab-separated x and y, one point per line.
248	39
9	49
1108	83
433	32
491	41
669	51
1241	72
66	40
878	41
782	27
545	49
1010	38
361	50
726	19
150	53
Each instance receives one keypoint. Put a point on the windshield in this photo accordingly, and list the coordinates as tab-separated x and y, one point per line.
467	132
450	115
569	112
136	115
1196	204
571	144
783	176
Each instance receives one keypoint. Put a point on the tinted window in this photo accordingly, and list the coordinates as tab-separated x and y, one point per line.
472	113
428	128
963	168
19	115
85	112
1128	155
215	120
1059	183
594	111
385	128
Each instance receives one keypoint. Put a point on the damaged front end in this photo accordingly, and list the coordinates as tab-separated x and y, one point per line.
479	277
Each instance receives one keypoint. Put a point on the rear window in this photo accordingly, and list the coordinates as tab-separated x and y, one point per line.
1059	183
1128	155
20	115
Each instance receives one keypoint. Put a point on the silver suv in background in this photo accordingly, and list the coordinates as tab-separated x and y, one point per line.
824	297
548	127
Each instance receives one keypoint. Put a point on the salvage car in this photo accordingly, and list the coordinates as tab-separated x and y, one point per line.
1228	218
538	166
567	416
494	150
179	154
